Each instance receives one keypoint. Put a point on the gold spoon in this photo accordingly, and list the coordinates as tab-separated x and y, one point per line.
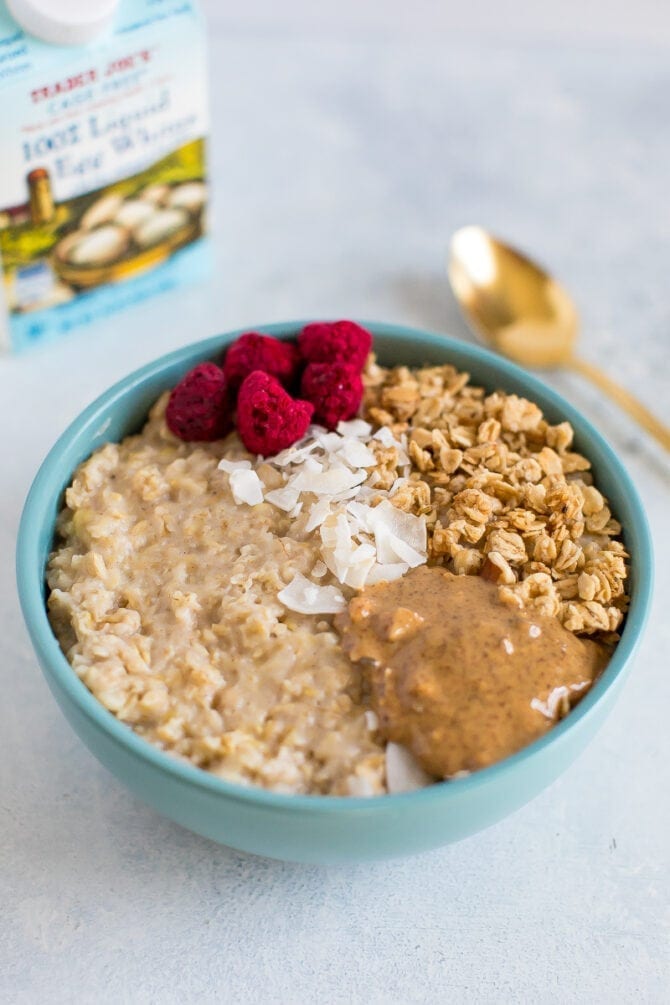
515	306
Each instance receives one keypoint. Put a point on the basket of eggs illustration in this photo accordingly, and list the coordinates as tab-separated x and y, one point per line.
118	237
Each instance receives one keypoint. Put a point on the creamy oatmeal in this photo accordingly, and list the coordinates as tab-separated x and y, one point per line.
194	587
164	597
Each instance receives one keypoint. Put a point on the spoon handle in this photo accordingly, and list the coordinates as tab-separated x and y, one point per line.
624	400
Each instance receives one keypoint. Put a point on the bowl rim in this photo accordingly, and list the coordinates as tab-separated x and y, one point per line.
55	665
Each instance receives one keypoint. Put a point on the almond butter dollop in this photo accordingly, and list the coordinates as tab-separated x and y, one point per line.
458	677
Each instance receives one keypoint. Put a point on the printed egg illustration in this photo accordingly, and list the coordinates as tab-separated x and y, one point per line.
102	211
155	194
190	196
96	247
133	212
161	225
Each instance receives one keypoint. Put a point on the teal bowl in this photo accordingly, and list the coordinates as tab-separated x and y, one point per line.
321	828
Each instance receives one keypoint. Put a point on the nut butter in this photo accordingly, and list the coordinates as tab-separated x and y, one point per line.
458	677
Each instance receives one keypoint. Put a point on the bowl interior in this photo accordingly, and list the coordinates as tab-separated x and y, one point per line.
123	409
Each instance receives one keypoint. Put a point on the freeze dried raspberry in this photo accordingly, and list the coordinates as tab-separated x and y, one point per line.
254	351
335	341
269	419
335	390
199	408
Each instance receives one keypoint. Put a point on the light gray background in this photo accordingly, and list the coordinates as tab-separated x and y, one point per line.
349	140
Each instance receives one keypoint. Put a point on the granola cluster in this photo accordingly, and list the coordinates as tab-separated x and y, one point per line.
503	494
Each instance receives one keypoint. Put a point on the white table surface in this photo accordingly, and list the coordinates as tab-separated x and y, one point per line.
345	151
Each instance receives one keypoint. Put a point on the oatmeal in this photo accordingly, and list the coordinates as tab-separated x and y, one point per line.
194	586
164	596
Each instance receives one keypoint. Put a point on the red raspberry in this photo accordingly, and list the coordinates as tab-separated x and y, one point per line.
335	390
199	408
335	342
269	419
254	351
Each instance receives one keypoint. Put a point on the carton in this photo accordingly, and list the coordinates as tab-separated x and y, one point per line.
103	187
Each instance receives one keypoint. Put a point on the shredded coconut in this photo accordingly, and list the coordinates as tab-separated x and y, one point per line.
305	597
403	773
283	498
246	486
331	485
230	466
355	427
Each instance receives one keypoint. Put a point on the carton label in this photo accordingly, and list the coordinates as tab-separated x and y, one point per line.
103	175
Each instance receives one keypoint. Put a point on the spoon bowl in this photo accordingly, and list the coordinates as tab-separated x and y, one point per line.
513	304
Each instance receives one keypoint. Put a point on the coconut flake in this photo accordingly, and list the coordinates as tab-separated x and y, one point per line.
328	483
305	597
364	538
405	552
362	553
356	454
343	497
354	427
357	566
328	531
386	573
329	442
319	511
230	466
285	498
294	454
403	772
357	575
398	536
365	492
398	483
410	528
246	487
359	514
385	437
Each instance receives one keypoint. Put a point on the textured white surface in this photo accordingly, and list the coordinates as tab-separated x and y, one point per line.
343	160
